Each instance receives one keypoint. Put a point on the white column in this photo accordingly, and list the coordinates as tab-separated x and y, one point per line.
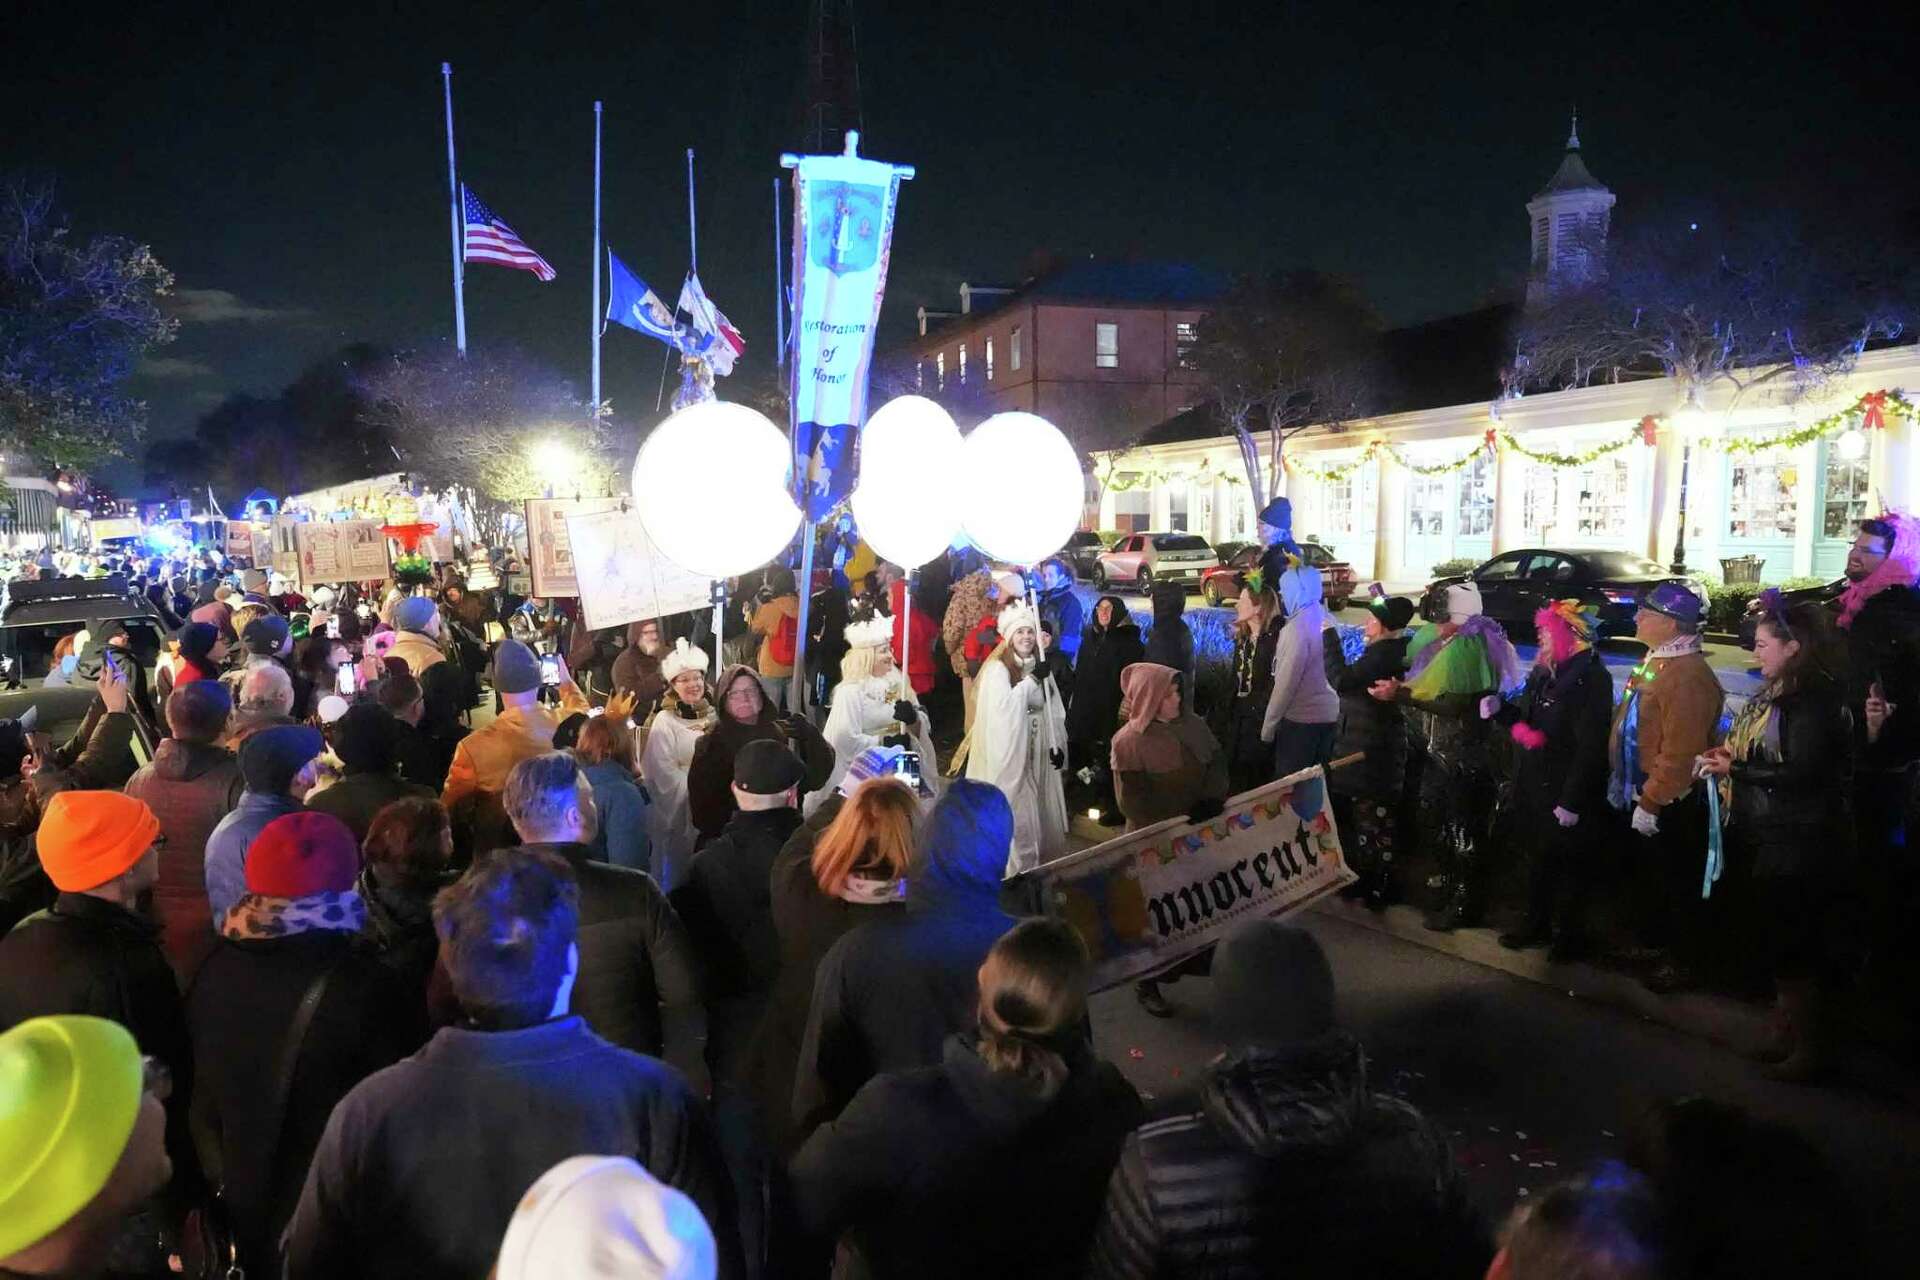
1106	507
1663	494
1509	498
1390	517
1806	507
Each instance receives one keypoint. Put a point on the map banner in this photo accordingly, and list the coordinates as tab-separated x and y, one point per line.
623	577
550	547
1147	900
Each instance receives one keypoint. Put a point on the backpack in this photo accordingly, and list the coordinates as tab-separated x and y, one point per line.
781	644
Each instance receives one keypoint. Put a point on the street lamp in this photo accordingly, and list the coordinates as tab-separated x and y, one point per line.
1687	420
553	461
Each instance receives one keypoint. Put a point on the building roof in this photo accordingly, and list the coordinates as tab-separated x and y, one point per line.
1572	175
1097	280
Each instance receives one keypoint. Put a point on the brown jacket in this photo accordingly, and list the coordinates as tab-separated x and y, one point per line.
971	600
486	756
1680	703
189	787
418	651
766	621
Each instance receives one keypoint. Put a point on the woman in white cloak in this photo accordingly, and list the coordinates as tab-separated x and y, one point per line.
673	731
873	703
1019	739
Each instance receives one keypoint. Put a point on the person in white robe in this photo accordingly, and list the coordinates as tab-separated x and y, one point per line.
672	732
873	705
1019	739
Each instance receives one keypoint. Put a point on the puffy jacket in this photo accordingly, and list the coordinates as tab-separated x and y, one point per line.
190	787
1573	706
919	664
486	756
1094	713
638	973
1367	724
1792	808
1292	1166
416	650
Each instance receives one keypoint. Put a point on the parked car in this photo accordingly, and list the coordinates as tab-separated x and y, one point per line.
1825	593
1140	560
37	615
1082	549
1221	584
1516	584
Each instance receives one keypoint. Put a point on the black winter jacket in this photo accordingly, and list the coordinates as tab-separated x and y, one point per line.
1791	812
1573	706
1094	714
1883	643
637	968
941	1171
1293	1167
1170	642
240	1010
1367	724
727	908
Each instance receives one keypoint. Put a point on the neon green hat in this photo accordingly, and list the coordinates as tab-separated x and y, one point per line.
69	1093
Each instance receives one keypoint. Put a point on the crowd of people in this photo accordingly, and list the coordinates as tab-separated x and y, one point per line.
440	936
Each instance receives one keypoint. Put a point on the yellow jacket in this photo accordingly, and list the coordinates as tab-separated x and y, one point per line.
766	621
486	756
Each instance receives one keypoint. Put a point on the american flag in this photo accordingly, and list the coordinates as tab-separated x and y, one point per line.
491	240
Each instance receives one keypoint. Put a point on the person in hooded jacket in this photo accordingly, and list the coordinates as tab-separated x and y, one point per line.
1303	713
917	1173
1166	763
1257	621
1560	722
191	784
1109	644
1170	642
1293	1165
746	714
888	994
1367	796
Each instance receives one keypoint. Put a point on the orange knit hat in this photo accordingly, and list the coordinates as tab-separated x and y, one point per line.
89	837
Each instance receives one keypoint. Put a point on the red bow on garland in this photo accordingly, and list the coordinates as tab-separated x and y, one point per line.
1488	439
1649	425
1872	408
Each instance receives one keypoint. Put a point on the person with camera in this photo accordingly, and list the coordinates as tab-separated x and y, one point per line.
873	705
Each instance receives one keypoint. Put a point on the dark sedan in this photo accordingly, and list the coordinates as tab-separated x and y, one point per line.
1515	585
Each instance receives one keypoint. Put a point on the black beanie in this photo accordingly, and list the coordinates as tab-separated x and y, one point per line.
1272	986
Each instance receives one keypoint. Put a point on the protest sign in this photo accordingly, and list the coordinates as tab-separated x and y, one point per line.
250	542
340	551
622	576
286	551
1147	900
550	547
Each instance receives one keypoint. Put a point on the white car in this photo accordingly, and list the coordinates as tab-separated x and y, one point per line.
1142	560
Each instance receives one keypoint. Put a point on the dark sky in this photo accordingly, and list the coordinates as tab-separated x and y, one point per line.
290	166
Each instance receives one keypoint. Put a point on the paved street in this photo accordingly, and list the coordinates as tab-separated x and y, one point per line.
1530	1083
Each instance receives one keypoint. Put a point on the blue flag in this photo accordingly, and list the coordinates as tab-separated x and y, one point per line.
631	303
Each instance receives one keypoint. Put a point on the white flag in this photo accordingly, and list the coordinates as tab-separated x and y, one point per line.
723	342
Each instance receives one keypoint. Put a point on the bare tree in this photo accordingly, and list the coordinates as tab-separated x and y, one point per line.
1286	354
1754	304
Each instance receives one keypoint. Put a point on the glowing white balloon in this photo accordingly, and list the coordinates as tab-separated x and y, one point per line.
907	503
711	486
1022	488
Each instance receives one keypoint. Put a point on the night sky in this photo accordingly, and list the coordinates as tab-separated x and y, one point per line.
291	168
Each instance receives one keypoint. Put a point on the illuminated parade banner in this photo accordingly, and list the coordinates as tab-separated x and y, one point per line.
1147	900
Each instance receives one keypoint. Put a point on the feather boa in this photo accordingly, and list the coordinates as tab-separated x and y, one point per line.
1488	666
1899	569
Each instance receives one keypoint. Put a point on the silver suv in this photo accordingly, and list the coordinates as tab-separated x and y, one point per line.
1140	560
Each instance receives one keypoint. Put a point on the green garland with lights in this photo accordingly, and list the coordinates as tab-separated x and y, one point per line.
1138	476
1873	409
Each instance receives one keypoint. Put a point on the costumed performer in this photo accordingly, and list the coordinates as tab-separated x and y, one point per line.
873	706
1019	739
685	714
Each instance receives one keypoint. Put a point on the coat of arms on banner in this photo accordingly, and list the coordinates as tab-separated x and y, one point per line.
845	226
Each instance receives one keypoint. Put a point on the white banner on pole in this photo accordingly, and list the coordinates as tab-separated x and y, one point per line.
623	577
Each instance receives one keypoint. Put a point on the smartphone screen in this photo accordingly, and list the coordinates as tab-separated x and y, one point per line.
549	668
333	626
346	681
907	768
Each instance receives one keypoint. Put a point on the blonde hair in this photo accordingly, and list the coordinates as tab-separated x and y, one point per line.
857	664
1033	997
872	834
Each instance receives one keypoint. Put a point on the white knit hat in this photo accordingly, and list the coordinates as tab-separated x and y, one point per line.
874	633
1016	615
590	1217
1463	602
683	658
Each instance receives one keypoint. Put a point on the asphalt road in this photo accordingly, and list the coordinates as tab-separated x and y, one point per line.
1531	1083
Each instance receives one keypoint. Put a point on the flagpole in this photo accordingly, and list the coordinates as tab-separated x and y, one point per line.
779	290
597	325
693	227
453	202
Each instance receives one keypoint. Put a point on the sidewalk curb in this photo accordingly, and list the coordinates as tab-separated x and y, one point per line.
1716	1019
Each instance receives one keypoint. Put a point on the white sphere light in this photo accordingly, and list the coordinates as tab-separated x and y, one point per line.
906	503
711	487
1021	488
1852	444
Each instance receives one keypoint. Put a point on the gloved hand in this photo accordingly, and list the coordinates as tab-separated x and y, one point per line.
1041	670
905	712
1205	809
1057	758
1645	821
900	740
1489	705
1565	817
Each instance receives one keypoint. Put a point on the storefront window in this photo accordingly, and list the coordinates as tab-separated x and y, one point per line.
1132	509
1602	512
1844	502
1339	505
1427	505
1760	499
1179	502
1540	500
1476	496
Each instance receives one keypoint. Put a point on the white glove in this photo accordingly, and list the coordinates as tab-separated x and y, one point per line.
1489	705
1565	817
1645	821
